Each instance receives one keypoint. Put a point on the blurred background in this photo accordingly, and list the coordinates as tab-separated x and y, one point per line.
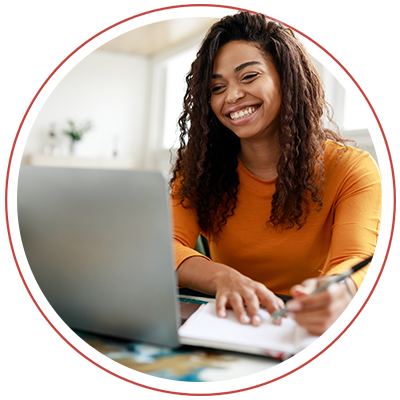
118	107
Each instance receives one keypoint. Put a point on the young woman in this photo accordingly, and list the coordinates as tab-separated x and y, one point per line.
280	197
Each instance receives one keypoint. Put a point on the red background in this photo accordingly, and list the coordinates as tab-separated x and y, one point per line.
43	357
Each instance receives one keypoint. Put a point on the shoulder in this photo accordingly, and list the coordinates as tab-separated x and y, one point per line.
348	168
341	159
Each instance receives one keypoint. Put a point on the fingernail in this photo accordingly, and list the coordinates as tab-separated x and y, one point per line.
277	321
256	320
222	313
293	305
244	319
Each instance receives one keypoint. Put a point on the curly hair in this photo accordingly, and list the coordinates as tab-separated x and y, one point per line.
205	172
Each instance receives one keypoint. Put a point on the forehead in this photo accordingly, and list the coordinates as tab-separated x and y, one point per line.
233	54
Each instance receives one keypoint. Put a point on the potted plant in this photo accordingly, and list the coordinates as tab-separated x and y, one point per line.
76	132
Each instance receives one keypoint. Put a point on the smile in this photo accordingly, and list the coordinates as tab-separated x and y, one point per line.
242	113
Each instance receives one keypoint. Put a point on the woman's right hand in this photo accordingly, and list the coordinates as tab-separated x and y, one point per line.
231	288
244	296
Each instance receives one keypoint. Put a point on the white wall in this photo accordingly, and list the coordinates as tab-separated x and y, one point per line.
108	88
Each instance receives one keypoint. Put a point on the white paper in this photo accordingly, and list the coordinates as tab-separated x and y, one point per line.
205	325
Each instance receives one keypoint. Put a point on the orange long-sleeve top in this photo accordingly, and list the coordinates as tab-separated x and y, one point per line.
342	233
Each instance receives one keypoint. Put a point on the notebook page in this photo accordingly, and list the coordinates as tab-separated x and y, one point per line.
205	325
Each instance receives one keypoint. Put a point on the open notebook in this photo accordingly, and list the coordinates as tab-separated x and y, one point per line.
205	328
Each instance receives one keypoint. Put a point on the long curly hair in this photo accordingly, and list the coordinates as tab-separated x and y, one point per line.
205	172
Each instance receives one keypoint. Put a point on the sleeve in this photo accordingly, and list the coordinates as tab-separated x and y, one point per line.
356	217
186	230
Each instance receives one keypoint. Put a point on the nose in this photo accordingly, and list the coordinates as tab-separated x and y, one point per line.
234	93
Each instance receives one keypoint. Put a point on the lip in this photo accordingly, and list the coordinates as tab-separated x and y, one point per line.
243	120
240	107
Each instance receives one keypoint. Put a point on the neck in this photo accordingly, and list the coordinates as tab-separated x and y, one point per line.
261	157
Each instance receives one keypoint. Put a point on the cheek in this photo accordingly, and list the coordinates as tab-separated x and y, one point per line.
213	104
278	103
216	109
278	97
275	100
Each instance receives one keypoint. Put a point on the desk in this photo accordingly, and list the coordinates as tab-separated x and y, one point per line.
187	363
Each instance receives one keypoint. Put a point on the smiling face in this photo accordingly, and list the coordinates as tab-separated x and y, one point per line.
245	91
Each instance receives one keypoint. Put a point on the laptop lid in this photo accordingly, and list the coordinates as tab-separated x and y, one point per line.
99	245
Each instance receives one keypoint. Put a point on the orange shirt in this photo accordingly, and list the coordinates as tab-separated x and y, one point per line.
334	239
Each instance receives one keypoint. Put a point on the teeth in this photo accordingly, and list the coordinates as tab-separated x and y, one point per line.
242	113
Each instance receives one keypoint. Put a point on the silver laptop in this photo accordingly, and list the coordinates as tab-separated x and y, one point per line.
99	245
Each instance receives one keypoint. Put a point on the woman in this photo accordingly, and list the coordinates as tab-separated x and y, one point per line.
279	196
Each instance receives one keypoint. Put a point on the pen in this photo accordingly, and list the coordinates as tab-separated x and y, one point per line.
335	278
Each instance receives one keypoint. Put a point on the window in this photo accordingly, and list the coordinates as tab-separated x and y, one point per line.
176	69
355	113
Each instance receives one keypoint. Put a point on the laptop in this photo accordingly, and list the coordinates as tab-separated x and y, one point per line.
99	245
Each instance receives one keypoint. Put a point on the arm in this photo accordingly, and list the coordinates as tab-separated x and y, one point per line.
354	236
357	213
197	272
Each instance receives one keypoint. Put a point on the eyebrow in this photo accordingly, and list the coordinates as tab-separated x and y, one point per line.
238	68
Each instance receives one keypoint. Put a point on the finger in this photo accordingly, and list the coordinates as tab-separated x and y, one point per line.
316	323
271	302
311	317
278	321
252	303
309	303
315	301
236	302
221	303
307	287
280	306
322	299
316	329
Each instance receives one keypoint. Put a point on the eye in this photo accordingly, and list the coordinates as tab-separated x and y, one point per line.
216	89
250	76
